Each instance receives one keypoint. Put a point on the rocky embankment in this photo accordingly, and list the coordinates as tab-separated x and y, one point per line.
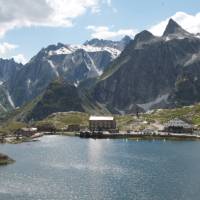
5	160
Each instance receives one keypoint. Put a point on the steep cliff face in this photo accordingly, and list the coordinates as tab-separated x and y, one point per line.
20	84
151	72
73	63
187	85
58	97
8	73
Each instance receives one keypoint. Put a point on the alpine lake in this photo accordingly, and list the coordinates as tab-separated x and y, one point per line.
60	167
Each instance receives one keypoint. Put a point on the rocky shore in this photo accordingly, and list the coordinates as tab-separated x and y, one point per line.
5	160
138	136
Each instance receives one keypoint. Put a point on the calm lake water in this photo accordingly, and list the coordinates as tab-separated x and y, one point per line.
68	168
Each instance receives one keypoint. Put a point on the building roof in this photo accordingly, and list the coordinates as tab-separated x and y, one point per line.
29	129
177	123
101	118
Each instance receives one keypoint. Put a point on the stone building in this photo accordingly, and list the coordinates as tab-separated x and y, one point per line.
102	123
26	131
178	126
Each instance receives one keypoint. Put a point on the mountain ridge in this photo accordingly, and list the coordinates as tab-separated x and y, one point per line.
149	71
173	28
74	63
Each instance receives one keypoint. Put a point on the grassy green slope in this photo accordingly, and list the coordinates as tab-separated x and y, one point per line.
188	113
60	120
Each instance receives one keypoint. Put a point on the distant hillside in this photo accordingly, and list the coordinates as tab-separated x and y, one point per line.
188	113
59	96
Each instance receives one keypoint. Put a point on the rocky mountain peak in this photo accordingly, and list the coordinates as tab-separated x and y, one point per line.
93	42
144	36
120	45
126	39
174	28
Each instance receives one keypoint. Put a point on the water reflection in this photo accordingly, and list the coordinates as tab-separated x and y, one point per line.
72	168
95	148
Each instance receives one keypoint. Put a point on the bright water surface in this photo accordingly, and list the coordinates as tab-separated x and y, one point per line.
68	168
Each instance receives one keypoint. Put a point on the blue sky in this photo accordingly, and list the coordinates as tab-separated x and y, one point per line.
33	25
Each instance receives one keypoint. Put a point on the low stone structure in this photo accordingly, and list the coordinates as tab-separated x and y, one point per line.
26	131
73	128
46	127
178	126
102	123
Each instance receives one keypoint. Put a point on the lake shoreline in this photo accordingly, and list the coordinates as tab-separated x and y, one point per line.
139	136
129	136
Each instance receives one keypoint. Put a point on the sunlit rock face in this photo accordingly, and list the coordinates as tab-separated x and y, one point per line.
73	63
153	72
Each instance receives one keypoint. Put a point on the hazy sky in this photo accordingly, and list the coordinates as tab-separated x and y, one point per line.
26	26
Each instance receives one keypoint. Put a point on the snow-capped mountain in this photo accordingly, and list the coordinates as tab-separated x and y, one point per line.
73	63
70	59
151	72
120	45
70	49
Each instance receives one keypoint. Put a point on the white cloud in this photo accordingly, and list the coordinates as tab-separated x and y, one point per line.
55	13
20	58
6	48
104	32
191	23
109	3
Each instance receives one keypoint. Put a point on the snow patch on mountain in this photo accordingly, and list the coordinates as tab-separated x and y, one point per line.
149	105
69	49
62	50
175	36
76	84
10	99
167	39
93	70
28	83
53	67
4	109
192	59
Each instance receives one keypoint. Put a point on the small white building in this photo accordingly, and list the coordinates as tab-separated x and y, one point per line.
102	123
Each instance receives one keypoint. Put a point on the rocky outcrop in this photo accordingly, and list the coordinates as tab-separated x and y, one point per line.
5	160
